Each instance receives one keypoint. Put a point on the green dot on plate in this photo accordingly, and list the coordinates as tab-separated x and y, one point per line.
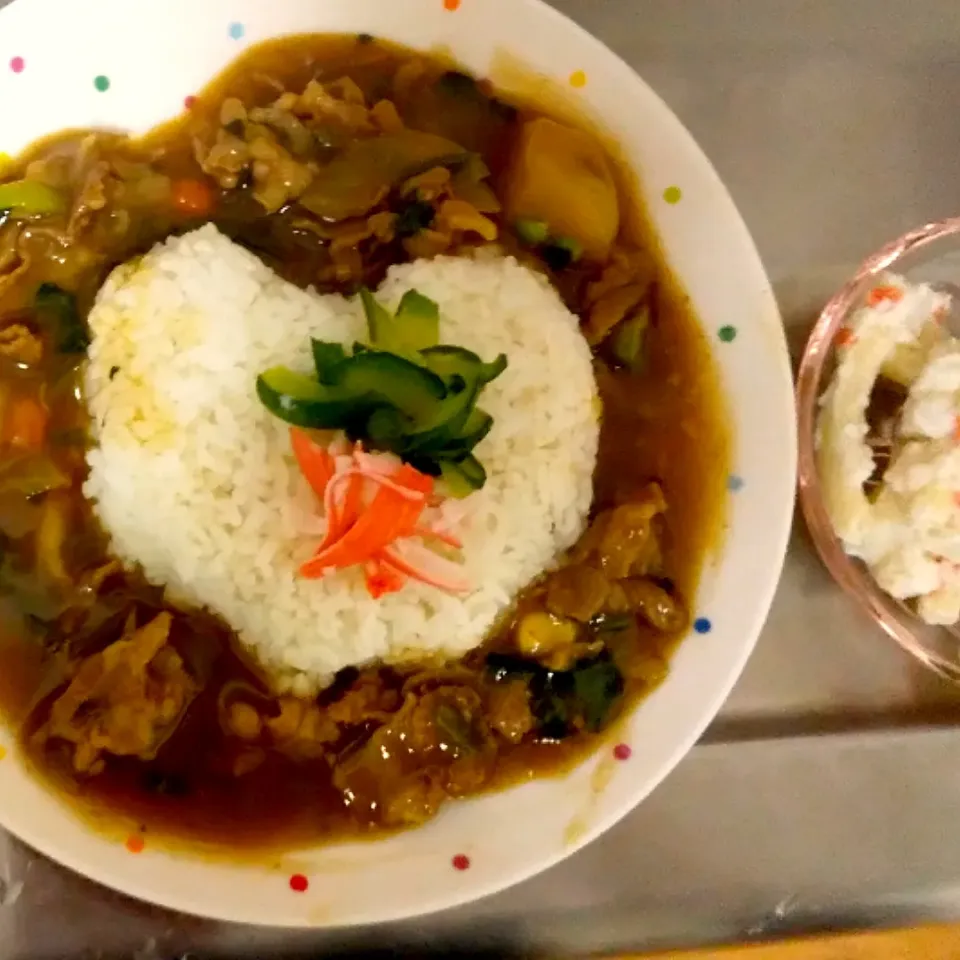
102	83
727	333
672	194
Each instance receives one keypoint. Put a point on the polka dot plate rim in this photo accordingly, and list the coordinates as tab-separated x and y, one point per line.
131	66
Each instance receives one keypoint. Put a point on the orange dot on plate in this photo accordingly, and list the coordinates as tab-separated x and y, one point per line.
135	843
451	5
578	79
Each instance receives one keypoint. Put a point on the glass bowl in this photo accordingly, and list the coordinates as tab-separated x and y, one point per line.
929	254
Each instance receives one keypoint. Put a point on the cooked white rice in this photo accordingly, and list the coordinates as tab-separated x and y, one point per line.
194	481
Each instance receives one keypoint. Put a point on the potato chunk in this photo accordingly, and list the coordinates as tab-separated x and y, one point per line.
561	176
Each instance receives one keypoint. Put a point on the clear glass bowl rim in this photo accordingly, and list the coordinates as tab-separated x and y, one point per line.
892	616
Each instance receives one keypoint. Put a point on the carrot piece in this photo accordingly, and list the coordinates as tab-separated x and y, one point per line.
27	423
361	541
314	461
439	572
389	516
351	503
408	516
845	336
382	578
443	536
414	480
376	528
193	198
884	292
340	518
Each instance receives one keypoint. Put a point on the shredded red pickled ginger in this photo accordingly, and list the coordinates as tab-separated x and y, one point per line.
380	516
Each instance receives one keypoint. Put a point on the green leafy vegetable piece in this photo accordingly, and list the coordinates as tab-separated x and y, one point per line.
386	429
457	728
414	327
532	232
456	483
392	379
589	692
32	597
458	107
302	401
364	171
56	310
473	470
627	342
448	361
359	386
326	356
446	421
380	322
573	246
469	184
462	477
476	427
597	687
414	217
418	321
23	199
402	392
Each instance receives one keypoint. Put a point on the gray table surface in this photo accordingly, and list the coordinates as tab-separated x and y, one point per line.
826	794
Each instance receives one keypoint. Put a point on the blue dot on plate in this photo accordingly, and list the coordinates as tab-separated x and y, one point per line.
236	31
702	625
734	483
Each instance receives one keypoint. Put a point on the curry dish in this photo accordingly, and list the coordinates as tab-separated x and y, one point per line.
332	158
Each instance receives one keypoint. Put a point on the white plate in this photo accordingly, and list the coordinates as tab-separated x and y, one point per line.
128	65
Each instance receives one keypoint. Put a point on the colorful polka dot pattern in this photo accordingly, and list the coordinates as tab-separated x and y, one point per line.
578	79
135	843
673	195
236	31
101	83
461	862
622	751
727	334
734	483
18	64
702	625
451	5
299	883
